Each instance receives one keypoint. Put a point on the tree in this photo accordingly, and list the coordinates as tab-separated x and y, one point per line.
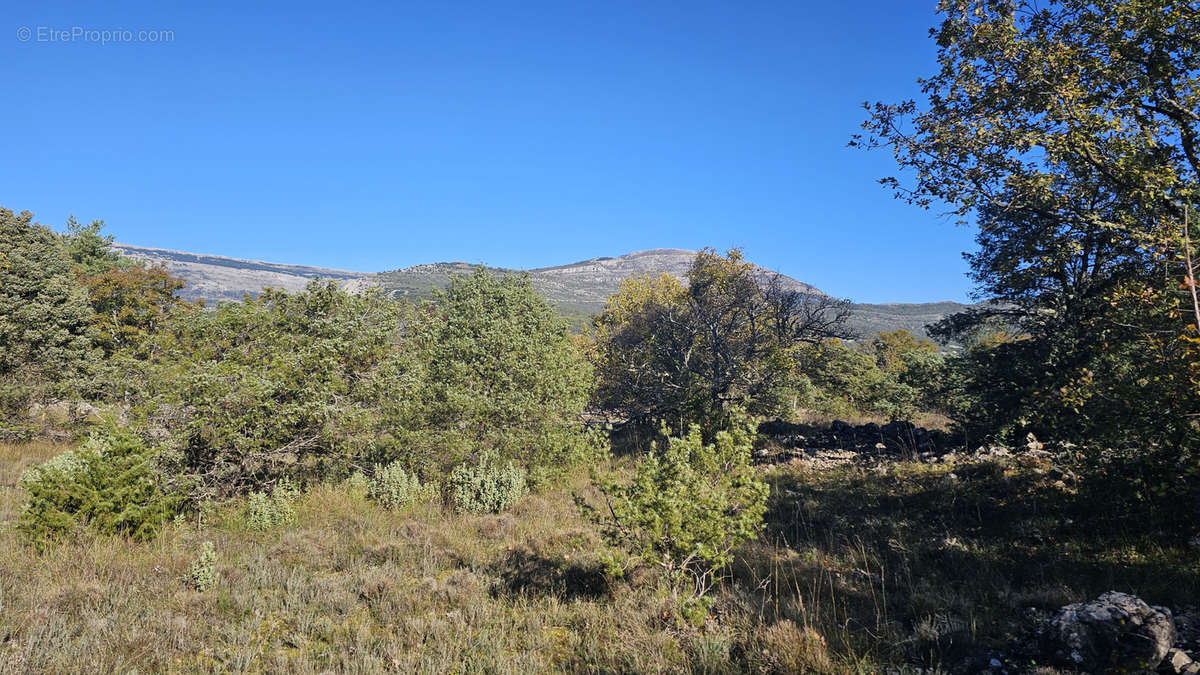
89	250
288	385
894	350
687	353
499	373
133	302
45	318
1068	129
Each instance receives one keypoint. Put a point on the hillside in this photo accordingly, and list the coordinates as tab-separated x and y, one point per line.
577	289
217	279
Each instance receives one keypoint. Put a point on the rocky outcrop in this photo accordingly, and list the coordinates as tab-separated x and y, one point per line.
215	279
842	442
1116	632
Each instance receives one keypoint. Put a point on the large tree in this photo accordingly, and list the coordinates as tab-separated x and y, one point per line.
1069	130
45	318
685	353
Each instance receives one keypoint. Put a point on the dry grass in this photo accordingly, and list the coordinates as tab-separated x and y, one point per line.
353	588
14	460
858	569
934	564
926	420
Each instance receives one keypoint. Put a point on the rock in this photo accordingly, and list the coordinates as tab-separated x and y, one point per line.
1116	631
1192	668
1032	444
1174	663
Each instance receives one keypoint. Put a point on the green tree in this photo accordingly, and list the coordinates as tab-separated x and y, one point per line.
89	250
111	484
894	350
1068	129
289	385
132	303
500	373
687	353
45	318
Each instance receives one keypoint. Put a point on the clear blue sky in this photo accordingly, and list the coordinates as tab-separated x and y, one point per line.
519	134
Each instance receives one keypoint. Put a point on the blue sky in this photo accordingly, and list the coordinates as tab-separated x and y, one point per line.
525	134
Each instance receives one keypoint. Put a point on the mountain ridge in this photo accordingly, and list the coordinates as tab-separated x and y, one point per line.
578	289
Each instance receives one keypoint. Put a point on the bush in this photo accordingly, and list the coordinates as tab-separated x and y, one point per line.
110	484
395	488
288	385
688	505
202	575
268	511
485	487
499	372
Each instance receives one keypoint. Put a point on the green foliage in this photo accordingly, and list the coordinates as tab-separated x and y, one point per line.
895	376
45	318
110	484
500	373
685	354
202	575
357	484
688	505
287	385
133	303
267	511
1079	179
486	487
90	251
395	488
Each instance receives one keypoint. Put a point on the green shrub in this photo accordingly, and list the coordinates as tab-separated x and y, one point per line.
498	372
357	484
110	484
486	487
288	385
267	511
203	573
395	488
687	507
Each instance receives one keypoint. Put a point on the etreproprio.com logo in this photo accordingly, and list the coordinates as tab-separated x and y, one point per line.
101	36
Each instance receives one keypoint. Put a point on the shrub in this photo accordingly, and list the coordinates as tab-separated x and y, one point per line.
486	487
688	505
203	573
288	385
267	511
499	372
357	484
110	484
395	488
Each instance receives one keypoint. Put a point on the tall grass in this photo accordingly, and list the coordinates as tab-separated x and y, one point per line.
857	570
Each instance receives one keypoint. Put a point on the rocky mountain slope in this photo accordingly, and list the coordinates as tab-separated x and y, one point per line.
215	278
578	289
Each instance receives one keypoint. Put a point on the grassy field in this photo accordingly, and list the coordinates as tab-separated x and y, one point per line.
858	568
